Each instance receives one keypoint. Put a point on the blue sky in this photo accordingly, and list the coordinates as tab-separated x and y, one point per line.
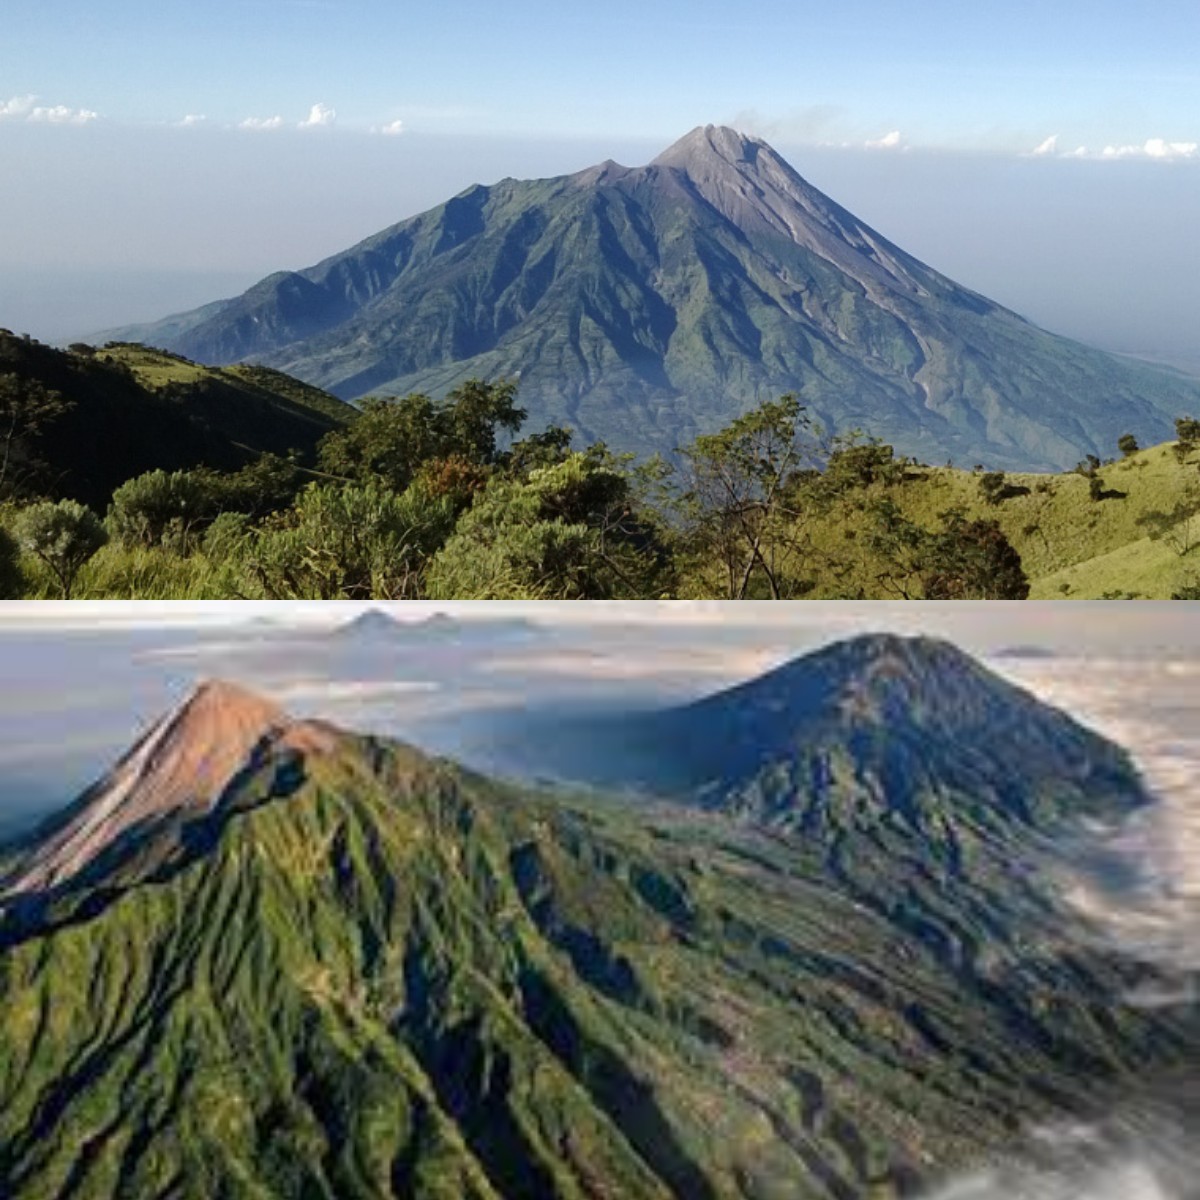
154	159
981	76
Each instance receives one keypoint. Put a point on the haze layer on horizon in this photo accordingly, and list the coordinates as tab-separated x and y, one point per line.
983	627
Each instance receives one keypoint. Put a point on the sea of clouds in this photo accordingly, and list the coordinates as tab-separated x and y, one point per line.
1139	886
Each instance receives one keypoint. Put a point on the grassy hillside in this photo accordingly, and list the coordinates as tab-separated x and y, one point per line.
128	409
1070	545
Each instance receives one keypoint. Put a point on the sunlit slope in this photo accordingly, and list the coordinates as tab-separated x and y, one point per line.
1071	546
367	973
645	305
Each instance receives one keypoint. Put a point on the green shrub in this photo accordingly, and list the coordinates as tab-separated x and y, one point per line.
349	542
569	532
63	536
164	508
225	540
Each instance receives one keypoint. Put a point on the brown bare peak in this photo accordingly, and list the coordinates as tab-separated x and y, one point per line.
232	701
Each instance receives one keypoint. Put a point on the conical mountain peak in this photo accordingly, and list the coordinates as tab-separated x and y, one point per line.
178	771
680	293
216	706
709	144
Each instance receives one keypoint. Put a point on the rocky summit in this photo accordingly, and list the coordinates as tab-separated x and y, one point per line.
646	305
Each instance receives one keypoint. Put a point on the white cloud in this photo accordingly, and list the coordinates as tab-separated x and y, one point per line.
60	114
319	117
1157	148
26	108
262	123
393	129
18	106
1046	148
889	141
191	120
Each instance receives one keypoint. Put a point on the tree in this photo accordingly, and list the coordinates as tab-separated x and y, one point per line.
571	531
856	463
1187	434
993	487
962	559
966	560
1179	525
740	504
393	438
26	410
63	536
1128	445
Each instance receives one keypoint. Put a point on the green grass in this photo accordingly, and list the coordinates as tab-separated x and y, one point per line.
137	573
1063	536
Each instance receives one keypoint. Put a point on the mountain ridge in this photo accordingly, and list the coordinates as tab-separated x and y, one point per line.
645	305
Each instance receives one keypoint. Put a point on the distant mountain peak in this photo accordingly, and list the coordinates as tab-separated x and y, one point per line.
178	770
707	143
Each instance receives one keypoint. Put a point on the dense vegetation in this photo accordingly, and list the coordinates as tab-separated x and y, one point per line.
367	973
242	483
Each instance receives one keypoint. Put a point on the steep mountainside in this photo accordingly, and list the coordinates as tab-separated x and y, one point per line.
345	970
134	410
646	305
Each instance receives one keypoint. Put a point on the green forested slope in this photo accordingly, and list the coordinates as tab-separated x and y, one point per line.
373	974
126	410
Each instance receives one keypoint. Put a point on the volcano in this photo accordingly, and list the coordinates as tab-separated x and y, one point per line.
646	305
272	958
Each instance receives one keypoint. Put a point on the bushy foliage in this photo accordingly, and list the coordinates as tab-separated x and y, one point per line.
27	410
226	538
960	559
393	438
63	535
567	532
1187	434
11	581
993	486
164	508
1128	445
351	541
855	463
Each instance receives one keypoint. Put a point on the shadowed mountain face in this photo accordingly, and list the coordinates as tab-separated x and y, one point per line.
646	305
901	714
376	974
148	411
